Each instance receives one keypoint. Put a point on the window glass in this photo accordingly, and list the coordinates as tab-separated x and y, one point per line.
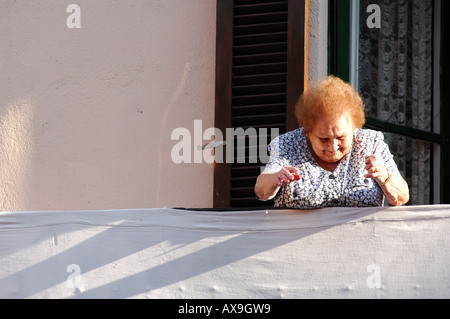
414	161
395	80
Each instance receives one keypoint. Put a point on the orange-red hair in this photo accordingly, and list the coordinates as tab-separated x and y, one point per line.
329	98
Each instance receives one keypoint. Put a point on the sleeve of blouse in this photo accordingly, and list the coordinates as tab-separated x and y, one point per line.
383	149
276	161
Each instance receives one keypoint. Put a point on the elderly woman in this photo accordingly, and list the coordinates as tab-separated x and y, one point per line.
331	161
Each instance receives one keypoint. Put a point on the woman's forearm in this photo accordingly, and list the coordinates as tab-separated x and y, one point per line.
265	188
396	191
394	186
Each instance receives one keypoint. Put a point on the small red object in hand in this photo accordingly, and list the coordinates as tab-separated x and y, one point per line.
296	177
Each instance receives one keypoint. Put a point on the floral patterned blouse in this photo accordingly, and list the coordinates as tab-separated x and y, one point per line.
319	188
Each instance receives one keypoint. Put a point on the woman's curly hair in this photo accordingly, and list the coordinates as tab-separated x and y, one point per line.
329	98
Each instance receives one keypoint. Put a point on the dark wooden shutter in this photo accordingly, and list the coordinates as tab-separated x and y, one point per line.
254	89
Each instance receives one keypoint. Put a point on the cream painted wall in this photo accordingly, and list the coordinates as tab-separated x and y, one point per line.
317	40
86	115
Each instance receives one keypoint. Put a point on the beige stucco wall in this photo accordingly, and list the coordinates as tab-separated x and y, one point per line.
317	40
86	115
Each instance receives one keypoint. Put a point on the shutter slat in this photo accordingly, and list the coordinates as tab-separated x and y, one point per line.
254	110
260	28
238	182
260	18
268	88
260	38
259	99
268	119
244	192
256	60
254	79
261	68
263	48
259	7
244	170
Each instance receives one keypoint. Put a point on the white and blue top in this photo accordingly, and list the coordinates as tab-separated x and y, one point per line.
319	188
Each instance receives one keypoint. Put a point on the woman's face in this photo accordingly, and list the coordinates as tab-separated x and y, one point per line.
332	141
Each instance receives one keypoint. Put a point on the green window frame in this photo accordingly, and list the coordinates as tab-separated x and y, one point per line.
339	51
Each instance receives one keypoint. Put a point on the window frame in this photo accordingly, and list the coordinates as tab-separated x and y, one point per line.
444	103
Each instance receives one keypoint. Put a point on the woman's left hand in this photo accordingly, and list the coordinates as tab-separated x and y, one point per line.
375	168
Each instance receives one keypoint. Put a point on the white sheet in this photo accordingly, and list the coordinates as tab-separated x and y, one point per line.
168	253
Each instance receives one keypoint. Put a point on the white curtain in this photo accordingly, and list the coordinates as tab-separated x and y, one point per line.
395	81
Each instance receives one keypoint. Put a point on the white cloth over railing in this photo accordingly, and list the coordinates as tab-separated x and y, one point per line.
174	253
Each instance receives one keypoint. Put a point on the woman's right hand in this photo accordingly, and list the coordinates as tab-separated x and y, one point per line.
268	184
287	175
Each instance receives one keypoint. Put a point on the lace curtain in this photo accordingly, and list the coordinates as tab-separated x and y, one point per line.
395	82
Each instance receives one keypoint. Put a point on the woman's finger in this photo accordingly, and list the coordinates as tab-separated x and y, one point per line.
288	175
